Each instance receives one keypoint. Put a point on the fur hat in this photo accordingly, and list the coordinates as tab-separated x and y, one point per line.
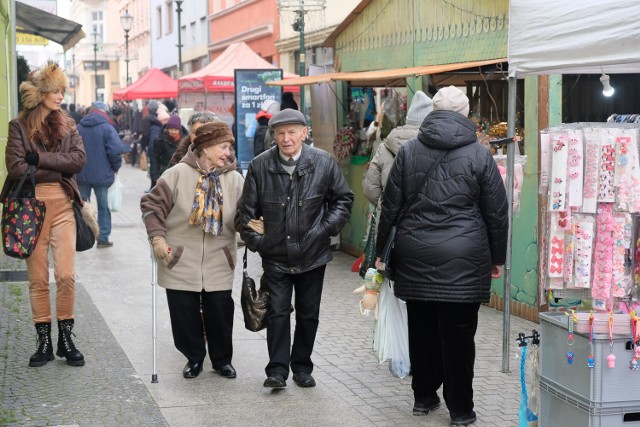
421	105
453	99
163	116
49	78
174	122
212	133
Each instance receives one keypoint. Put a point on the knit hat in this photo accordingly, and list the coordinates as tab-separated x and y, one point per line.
453	99
270	106
212	133
174	122
163	116
421	105
287	117
49	78
99	105
153	107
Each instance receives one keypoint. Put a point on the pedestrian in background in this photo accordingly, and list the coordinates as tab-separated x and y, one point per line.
45	137
165	147
449	244
294	199
104	158
189	220
196	120
262	139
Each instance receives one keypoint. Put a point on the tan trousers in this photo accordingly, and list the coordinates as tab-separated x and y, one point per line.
59	234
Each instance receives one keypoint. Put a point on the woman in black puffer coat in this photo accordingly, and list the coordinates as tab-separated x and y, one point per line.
449	244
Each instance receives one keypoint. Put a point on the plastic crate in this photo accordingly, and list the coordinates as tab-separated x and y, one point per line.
560	410
599	384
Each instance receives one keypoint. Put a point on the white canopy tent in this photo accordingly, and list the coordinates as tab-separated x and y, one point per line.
563	37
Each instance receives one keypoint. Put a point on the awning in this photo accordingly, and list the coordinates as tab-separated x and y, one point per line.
32	20
390	77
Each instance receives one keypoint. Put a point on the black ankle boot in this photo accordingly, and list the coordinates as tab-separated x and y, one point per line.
66	347
44	353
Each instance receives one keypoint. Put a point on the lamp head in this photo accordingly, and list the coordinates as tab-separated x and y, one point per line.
607	89
126	21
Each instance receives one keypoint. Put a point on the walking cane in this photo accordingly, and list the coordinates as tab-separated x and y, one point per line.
154	329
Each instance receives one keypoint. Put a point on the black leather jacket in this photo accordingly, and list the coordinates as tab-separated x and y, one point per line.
301	211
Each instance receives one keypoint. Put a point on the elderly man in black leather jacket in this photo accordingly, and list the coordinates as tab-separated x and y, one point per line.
294	199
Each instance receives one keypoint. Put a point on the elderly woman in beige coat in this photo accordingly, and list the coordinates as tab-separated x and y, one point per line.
189	220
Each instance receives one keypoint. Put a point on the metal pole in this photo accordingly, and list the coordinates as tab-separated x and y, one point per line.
302	55
95	68
506	310
127	113
179	11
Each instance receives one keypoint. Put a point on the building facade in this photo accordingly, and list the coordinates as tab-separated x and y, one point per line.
139	51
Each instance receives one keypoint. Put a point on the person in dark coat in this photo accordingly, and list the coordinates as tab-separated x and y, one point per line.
262	137
165	146
450	242
294	199
74	114
288	101
104	158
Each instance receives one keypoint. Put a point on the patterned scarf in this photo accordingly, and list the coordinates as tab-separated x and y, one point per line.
207	203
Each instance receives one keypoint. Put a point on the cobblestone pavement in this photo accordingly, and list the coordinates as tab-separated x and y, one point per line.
113	328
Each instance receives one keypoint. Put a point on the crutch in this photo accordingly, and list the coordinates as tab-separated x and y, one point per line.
154	328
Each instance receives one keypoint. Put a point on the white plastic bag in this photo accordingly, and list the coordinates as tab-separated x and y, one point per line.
381	344
114	195
398	335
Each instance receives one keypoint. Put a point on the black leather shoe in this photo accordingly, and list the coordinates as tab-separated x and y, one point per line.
192	369
275	381
423	408
304	379
464	419
226	371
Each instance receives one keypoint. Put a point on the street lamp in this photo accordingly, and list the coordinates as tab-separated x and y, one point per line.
179	11
126	20
95	39
300	7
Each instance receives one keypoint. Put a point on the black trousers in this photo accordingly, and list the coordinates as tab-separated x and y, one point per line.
308	293
189	327
442	352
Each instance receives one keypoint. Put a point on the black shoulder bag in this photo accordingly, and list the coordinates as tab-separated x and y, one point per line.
385	257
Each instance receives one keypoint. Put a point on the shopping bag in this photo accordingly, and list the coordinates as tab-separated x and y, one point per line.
254	302
381	343
22	220
86	227
114	195
398	330
144	161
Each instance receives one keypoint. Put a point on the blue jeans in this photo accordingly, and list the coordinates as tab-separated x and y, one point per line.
104	214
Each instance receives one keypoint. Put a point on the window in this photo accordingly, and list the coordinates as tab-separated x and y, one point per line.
204	30
97	23
169	17
216	6
192	30
159	21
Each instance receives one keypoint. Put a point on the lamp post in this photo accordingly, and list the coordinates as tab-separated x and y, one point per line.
126	20
300	7
95	39
179	11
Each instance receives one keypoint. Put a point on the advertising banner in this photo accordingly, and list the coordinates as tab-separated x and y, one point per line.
251	91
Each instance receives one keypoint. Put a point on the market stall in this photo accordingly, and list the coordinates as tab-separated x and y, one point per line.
154	84
212	87
589	179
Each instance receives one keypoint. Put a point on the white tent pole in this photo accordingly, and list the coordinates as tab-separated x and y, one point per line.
511	154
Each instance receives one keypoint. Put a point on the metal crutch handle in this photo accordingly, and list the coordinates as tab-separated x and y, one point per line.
154	328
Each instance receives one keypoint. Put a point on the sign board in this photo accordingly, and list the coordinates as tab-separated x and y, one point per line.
251	91
49	6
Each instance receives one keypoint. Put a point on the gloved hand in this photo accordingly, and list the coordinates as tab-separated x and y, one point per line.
257	225
32	158
161	249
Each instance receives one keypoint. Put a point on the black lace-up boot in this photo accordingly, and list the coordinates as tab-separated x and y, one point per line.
66	347
44	353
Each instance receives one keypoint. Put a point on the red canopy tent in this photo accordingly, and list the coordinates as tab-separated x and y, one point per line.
154	84
219	74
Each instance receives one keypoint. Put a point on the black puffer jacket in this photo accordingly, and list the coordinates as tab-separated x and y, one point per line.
456	228
301	211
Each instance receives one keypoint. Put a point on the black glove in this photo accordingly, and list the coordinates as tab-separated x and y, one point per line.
32	158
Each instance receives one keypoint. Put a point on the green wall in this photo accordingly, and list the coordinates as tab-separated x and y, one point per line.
6	75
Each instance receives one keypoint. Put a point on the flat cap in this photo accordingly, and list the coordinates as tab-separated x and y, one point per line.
288	116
